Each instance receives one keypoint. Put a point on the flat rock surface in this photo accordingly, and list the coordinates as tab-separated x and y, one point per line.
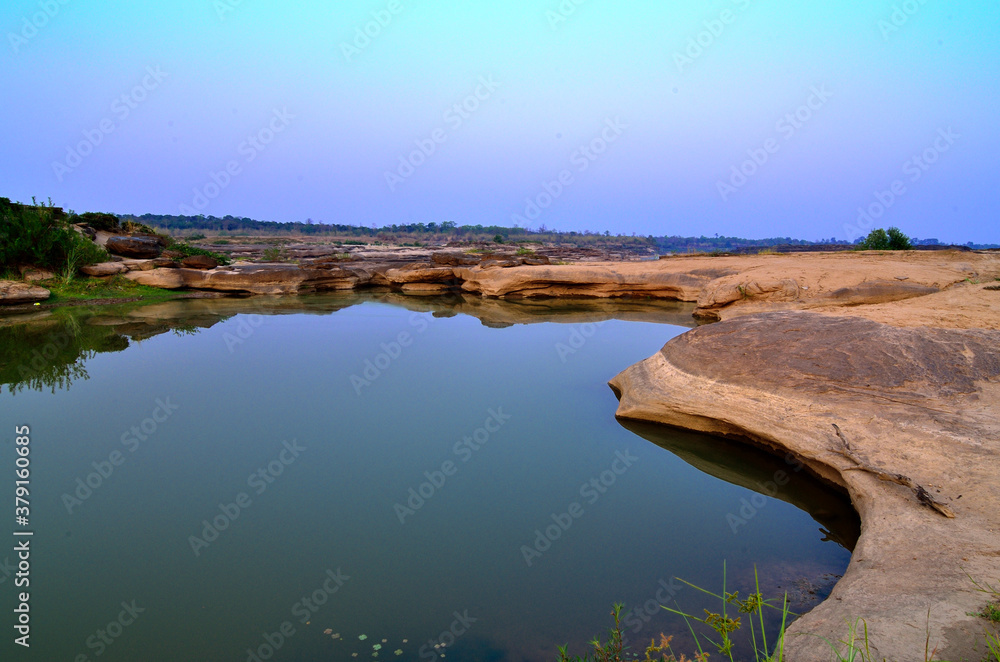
14	292
917	401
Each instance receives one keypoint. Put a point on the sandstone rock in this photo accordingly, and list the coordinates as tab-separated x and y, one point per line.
249	278
451	259
879	292
104	269
919	402
142	265
32	275
15	291
137	247
86	231
420	273
199	262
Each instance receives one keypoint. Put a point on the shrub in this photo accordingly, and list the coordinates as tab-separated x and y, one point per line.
98	221
187	250
41	236
881	240
898	241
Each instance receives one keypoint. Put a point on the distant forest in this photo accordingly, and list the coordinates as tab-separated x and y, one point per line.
450	231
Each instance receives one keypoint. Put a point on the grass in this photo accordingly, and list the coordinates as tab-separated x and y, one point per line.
856	646
273	254
524	251
188	250
116	287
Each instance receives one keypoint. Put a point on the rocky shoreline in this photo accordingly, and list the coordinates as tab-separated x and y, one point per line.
880	372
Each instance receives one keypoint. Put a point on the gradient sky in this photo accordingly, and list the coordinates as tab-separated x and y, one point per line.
888	91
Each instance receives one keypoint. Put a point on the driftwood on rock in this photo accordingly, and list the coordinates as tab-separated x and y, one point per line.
923	496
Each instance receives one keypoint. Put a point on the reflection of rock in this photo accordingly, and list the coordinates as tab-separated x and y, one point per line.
914	401
13	291
753	468
139	246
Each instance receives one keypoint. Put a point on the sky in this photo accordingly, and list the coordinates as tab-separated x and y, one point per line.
753	118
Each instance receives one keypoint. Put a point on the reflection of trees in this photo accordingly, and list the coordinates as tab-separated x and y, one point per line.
52	355
50	352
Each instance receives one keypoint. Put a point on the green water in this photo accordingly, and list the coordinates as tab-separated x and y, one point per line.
532	509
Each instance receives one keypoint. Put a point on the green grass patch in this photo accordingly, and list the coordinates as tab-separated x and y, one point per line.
188	250
116	287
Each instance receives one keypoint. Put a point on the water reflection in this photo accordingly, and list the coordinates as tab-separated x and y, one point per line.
765	473
48	350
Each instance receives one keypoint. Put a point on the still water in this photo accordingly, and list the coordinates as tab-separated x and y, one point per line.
365	477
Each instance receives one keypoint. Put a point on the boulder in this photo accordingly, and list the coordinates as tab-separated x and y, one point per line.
249	278
451	259
32	274
136	247
199	262
15	291
419	272
902	420
142	265
104	269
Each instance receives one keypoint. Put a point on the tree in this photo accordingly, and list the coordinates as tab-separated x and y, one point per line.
877	240
898	241
882	240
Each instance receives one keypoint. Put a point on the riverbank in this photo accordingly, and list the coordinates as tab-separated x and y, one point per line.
878	371
890	392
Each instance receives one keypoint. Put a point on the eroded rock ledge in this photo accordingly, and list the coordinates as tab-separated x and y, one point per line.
922	402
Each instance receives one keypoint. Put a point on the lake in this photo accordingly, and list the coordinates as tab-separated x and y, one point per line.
355	476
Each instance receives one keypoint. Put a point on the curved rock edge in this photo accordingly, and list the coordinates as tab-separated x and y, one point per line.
909	574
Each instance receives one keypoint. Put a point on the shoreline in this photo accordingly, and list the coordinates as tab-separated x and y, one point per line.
896	353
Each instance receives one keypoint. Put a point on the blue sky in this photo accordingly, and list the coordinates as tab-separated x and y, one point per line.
737	117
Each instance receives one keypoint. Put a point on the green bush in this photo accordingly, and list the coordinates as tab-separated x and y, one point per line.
98	221
882	240
41	236
187	250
